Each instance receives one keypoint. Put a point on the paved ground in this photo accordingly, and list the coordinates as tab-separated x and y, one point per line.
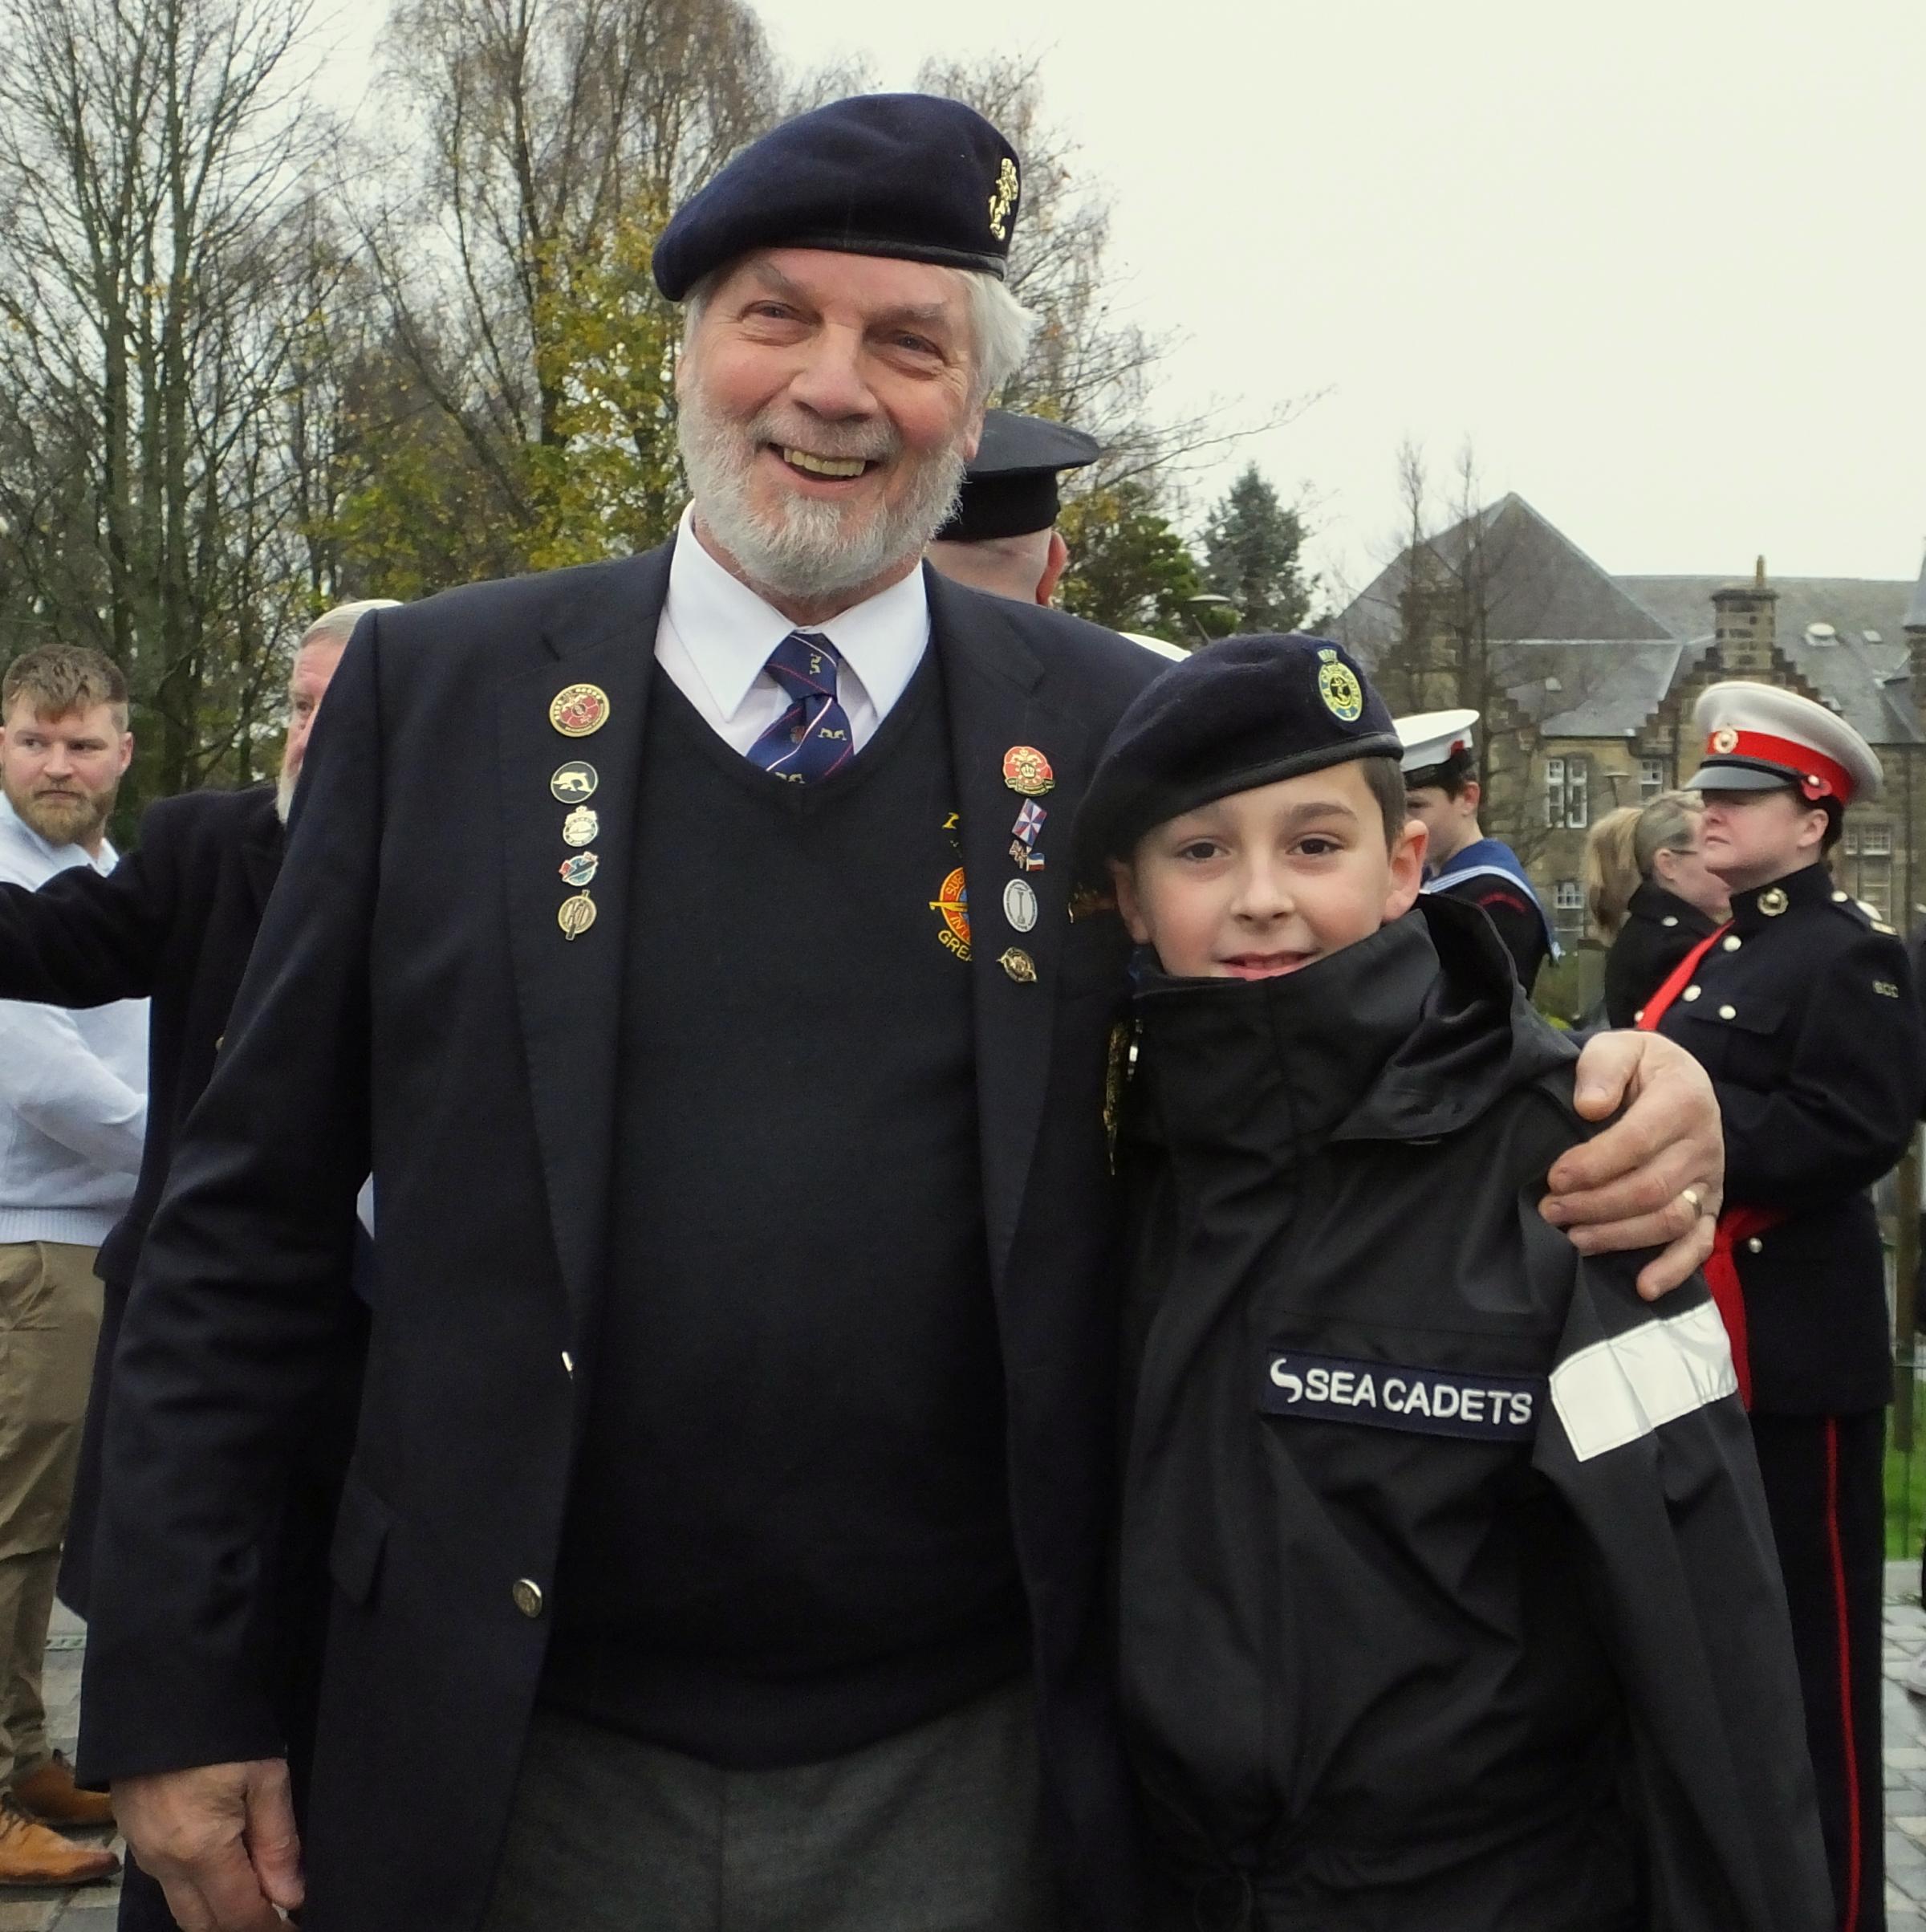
92	1910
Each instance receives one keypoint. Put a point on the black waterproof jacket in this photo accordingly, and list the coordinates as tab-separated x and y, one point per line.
1449	1597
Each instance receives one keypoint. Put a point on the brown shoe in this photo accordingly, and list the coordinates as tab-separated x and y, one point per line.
50	1795
31	1854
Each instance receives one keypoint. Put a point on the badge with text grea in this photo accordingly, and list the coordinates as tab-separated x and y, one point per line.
1461	1402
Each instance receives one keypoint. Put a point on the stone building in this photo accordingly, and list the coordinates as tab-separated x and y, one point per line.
1587	681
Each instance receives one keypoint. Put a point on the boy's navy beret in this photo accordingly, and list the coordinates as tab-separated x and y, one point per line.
910	175
1242	712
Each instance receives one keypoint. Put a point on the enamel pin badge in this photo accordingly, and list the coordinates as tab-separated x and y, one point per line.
575	783
580	870
1020	904
1027	769
581	709
580	827
575	916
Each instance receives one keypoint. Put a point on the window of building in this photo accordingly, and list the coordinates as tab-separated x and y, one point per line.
1863	865
1652	778
1567	792
1568	909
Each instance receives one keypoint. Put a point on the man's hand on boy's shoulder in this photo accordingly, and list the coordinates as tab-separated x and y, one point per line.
1654	1178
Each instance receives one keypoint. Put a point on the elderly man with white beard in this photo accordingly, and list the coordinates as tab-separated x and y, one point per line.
690	944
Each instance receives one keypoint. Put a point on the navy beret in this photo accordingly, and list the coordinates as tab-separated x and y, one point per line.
910	176
1242	712
1010	489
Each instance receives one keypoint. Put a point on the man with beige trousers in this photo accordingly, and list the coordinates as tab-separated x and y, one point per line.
73	1109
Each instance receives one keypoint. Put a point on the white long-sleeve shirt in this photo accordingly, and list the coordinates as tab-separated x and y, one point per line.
73	1086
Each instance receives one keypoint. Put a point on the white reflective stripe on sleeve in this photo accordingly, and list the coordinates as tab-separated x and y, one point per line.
1614	1392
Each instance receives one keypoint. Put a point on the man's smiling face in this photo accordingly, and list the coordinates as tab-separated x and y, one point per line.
1265	881
828	411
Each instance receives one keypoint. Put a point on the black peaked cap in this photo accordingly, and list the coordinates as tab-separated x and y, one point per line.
1010	489
1242	712
910	175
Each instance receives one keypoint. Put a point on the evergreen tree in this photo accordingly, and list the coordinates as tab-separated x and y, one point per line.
1254	555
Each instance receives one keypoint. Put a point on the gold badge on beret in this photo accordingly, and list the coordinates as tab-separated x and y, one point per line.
1004	199
1343	696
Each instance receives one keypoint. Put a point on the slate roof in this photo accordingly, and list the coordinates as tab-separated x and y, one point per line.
1615	645
1541	584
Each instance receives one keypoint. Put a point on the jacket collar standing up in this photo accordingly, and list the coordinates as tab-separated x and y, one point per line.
998	694
1410	1034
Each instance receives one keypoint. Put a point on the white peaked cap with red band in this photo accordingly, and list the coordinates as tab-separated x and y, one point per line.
1756	735
1429	737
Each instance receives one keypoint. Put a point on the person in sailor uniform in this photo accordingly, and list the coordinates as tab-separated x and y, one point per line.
1441	788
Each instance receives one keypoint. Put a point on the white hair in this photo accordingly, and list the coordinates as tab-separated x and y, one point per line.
338	625
1000	326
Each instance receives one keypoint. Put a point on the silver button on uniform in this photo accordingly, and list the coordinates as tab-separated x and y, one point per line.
1754	1246
1733	943
1692	992
1728	1013
527	1596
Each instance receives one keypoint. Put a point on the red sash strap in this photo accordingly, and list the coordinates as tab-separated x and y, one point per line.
1654	1009
1737	1224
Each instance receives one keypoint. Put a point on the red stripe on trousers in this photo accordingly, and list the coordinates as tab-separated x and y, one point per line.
1839	1596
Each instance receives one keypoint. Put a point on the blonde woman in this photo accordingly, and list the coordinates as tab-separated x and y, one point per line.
1675	903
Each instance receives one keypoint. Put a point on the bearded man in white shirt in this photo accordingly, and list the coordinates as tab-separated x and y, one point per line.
73	1110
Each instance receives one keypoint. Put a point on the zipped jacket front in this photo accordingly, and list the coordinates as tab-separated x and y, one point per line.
1448	1592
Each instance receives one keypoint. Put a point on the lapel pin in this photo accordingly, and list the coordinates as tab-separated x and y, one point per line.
1025	859
1027	769
575	916
1020	904
952	901
580	870
580	711
1019	966
575	783
580	827
1029	822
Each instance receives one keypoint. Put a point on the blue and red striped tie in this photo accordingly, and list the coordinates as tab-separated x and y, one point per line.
811	738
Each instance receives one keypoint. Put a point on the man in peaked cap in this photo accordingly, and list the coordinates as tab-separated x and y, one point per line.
1441	788
1802	1011
1002	536
684	941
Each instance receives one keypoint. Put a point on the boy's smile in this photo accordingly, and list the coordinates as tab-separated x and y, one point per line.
1263	882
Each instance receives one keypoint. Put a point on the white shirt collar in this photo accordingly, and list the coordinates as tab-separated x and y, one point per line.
729	632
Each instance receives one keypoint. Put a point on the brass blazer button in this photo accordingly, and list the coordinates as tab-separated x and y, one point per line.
1754	1246
528	1596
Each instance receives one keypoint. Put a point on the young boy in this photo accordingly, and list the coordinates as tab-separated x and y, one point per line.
1449	1598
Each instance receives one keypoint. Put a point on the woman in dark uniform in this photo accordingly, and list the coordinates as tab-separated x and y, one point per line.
1801	1010
1674	902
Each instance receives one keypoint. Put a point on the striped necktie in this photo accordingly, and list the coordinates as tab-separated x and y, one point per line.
811	738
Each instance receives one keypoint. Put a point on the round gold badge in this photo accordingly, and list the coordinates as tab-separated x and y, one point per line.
1772	903
1019	966
1343	696
1723	741
575	916
580	711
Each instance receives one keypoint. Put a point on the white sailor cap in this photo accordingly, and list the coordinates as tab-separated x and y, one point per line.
1758	736
1432	738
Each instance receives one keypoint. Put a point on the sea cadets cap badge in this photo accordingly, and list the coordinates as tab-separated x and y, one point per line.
1343	696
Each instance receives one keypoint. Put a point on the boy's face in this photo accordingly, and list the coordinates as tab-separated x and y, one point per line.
1263	882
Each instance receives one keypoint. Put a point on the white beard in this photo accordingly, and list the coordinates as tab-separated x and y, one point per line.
818	548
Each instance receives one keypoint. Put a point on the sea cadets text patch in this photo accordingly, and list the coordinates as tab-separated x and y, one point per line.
1389	1395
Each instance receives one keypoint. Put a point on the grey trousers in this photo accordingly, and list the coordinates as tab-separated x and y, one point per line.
936	1830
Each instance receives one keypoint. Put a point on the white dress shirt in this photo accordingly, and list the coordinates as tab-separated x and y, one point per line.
715	635
73	1085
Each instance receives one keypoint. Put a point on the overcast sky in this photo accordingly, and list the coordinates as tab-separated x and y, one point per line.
1663	262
